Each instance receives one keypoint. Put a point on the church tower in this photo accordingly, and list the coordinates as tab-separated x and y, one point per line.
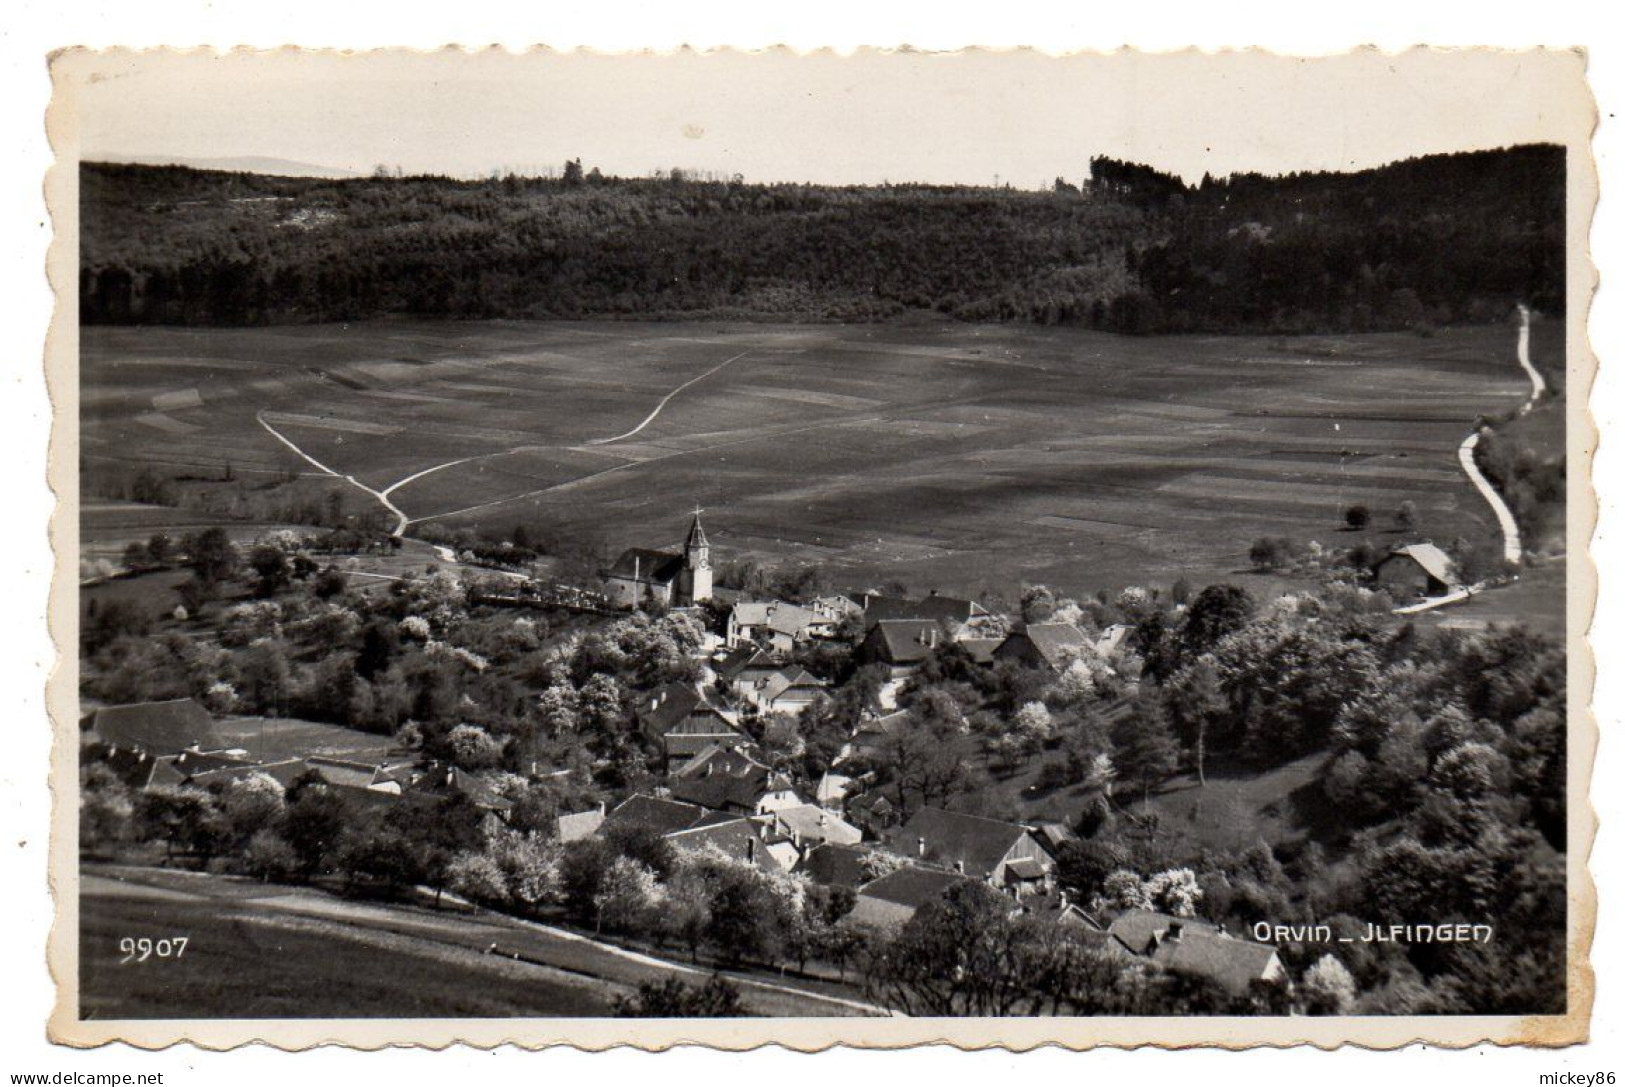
696	563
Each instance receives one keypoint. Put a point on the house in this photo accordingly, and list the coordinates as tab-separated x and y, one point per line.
1197	947
869	739
1053	836
831	790
1045	645
775	625
873	811
790	690
746	665
895	897
1415	570
687	826
444	782
675	579
808	825
753	790
681	723
1057	908
1003	854
360	775
153	728
901	644
661	816
952	613
980	650
837	607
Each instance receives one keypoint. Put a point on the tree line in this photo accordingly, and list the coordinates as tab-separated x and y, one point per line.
1435	240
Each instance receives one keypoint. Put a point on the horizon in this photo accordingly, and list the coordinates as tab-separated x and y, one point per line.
974	118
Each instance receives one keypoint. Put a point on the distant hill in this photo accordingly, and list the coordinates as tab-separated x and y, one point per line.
246	164
1429	241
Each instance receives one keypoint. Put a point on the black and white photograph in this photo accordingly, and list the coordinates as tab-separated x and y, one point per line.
763	543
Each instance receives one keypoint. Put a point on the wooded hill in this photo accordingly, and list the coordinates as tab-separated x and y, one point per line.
1435	240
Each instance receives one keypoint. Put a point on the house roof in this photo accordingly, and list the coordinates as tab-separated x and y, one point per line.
158	728
933	608
832	787
910	886
798	679
834	864
810	823
722	791
1052	836
907	641
1054	641
980	650
646	565
1430	558
1025	868
953	837
653	813
663	708
776	615
284	773
738	838
344	771
716	759
1140	929
745	658
1232	962
573	826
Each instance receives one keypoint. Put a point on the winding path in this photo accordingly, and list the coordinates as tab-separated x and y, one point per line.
401	520
667	399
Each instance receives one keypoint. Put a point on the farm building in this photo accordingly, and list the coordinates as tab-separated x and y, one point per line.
901	644
642	576
808	825
1416	570
790	690
153	728
950	611
1045	645
987	849
681	723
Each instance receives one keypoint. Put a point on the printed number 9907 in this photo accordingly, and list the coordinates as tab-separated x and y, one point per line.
144	948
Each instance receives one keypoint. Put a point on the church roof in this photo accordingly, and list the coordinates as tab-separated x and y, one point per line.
652	567
696	535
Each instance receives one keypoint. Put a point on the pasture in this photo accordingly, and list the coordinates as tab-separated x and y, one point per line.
968	458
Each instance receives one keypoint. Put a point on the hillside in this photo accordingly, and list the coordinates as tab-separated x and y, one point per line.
1438	240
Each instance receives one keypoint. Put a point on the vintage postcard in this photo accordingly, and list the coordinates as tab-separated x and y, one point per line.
992	547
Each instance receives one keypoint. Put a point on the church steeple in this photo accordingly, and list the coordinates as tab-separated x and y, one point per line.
697	562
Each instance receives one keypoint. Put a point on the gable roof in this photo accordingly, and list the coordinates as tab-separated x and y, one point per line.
1429	557
663	708
573	826
835	865
910	886
776	615
1054	641
798	679
979	650
810	823
1139	930
646	565
907	641
158	728
953	837
744	658
1232	962
722	791
653	813
933	608
716	759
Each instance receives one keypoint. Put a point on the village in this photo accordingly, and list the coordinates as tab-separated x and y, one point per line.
831	742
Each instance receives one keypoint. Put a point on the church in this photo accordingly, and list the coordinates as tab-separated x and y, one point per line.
642	576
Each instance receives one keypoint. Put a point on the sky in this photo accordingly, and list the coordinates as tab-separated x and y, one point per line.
982	118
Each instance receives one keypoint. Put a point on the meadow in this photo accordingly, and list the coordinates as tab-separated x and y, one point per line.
960	457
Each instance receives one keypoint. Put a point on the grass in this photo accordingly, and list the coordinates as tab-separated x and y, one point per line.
1236	809
257	949
962	457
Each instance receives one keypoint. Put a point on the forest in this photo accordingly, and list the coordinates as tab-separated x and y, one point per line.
1416	244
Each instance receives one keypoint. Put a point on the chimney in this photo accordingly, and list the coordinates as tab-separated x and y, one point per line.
921	843
1063	900
750	850
601	807
959	866
1175	928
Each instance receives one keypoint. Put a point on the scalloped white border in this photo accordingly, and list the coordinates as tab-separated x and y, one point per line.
806	1035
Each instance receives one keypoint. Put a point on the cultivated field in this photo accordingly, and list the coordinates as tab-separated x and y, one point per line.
960	457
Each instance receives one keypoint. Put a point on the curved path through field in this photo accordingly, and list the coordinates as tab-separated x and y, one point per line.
1511	540
668	399
401	520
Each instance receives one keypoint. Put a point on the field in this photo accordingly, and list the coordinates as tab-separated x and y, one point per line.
969	458
263	951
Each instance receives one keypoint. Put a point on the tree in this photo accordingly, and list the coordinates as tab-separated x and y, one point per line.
674	998
1143	748
1405	516
1357	517
1328	988
1174	892
211	555
956	956
271	569
1217	611
106	809
627	895
250	804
